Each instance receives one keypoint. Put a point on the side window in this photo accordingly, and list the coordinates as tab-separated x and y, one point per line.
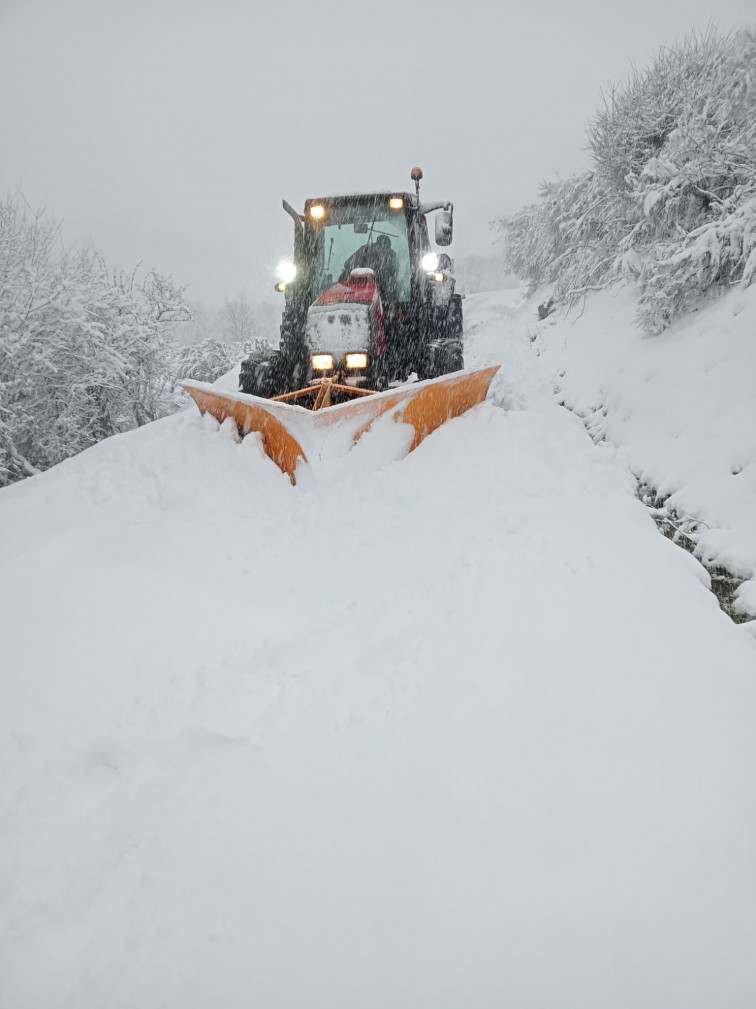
396	230
420	238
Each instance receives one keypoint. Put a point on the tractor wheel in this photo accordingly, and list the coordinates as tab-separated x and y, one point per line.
444	354
442	357
454	323
262	375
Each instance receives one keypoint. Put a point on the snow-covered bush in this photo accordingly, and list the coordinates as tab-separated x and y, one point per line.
722	251
215	340
670	198
245	329
83	354
567	240
142	330
205	361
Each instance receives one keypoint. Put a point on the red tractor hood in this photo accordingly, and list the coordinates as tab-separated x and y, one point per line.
362	286
361	289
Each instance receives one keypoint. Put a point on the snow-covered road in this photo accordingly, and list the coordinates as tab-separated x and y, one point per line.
457	729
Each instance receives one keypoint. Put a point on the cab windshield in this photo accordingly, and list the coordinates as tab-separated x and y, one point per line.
364	234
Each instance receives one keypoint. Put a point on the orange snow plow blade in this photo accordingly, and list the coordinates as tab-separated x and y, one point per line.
285	427
251	413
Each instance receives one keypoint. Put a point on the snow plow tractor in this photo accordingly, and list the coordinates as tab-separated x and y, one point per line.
372	323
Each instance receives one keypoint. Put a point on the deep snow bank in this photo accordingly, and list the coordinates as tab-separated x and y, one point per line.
456	729
681	405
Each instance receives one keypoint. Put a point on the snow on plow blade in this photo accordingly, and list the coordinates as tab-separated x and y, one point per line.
289	431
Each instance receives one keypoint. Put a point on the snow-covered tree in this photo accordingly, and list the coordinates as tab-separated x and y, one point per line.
87	352
205	360
237	321
213	341
83	354
139	323
567	239
245	328
670	200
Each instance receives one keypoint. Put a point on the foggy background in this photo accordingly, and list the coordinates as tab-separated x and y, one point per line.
168	132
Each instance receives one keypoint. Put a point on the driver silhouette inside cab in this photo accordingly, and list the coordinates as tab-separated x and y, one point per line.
378	256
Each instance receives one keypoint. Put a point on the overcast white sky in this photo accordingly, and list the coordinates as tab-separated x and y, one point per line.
168	131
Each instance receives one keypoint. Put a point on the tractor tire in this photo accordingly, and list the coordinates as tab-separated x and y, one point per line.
442	357
262	374
444	353
454	321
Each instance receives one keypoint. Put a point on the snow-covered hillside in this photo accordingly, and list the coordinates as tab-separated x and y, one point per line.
453	729
681	405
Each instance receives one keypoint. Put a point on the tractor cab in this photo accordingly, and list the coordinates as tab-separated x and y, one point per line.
341	232
378	232
364	284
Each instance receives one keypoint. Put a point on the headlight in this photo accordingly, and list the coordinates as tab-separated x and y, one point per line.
356	360
286	271
439	278
396	203
318	211
430	262
322	362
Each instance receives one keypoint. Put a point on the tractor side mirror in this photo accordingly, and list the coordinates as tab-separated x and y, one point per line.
444	227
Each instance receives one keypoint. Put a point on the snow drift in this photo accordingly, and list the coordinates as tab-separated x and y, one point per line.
455	729
681	406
